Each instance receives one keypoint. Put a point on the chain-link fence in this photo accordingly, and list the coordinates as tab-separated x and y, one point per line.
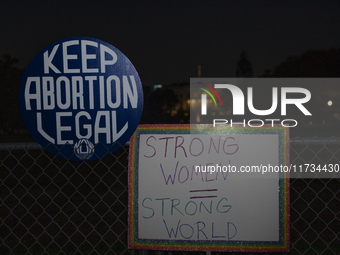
50	205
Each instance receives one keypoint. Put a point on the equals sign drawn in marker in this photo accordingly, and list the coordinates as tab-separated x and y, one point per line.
202	190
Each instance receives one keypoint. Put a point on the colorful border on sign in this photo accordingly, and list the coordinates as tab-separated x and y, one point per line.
178	245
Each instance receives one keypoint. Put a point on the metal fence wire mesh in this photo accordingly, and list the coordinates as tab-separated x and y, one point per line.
50	205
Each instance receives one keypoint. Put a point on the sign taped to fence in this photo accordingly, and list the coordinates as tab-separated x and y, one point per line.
81	98
199	188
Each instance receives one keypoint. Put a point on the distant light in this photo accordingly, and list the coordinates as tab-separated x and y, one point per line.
329	103
159	86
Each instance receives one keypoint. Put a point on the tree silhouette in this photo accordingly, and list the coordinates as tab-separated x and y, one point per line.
313	63
158	106
10	77
244	68
316	64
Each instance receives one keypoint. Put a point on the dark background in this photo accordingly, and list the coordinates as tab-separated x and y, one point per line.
169	41
166	41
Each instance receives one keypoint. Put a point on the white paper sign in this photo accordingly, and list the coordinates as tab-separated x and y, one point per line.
208	187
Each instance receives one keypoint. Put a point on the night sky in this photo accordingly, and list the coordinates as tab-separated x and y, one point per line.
166	40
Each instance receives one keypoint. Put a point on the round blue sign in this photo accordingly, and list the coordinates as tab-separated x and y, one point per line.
81	98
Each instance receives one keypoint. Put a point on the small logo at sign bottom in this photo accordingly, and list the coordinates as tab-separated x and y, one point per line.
84	149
